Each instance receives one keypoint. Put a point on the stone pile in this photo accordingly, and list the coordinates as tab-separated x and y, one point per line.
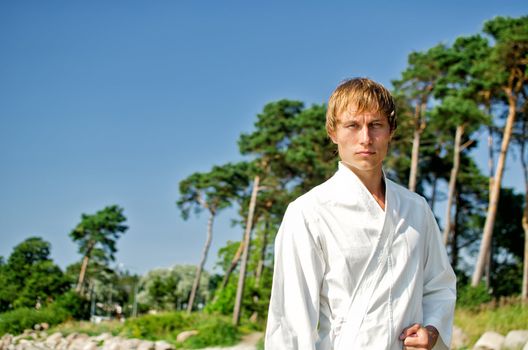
38	340
514	340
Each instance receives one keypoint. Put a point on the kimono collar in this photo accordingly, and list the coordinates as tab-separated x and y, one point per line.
351	189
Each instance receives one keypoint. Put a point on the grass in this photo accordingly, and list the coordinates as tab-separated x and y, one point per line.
92	329
214	330
502	316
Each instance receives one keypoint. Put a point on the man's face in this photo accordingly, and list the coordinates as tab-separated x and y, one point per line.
362	141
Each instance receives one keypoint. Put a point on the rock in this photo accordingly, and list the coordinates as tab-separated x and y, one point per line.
112	345
103	337
515	340
459	338
5	341
79	342
146	345
183	336
53	340
489	341
90	346
131	344
70	337
25	344
16	339
163	345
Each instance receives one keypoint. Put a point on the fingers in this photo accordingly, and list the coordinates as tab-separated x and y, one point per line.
418	340
410	331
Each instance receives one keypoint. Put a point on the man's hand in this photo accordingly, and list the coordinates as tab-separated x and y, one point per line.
417	337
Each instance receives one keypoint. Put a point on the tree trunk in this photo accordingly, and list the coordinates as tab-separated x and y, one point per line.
433	192
415	148
262	258
495	192
247	240
234	263
524	291
82	274
200	266
456	228
260	269
490	160
452	181
487	268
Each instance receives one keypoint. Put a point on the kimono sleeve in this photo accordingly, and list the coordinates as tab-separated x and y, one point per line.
439	290
299	267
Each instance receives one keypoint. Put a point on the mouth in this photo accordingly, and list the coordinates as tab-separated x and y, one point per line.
365	153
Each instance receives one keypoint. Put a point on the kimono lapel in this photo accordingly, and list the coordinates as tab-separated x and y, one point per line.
372	273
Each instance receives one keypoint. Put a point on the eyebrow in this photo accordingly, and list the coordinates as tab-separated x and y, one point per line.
355	120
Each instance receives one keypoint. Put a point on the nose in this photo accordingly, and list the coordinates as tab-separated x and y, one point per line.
364	135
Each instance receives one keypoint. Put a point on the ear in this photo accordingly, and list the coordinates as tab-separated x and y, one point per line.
393	131
332	136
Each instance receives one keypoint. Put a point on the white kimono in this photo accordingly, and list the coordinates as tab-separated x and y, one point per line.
349	275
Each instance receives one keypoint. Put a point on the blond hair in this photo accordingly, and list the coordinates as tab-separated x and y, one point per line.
360	95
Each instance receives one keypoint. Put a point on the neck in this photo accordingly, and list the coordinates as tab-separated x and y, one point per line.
373	181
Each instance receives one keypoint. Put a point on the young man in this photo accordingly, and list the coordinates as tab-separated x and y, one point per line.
359	263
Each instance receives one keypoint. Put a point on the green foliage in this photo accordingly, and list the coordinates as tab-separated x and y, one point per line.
214	190
77	306
96	236
508	56
212	329
224	300
168	289
502	317
472	297
29	276
155	327
100	231
16	321
226	254
67	306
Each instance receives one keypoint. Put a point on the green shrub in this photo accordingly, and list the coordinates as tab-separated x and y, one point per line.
67	306
155	327
472	297
224	300
77	306
213	331
16	321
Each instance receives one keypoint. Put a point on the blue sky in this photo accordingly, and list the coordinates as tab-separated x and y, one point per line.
115	102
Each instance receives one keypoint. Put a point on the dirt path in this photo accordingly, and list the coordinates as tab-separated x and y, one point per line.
248	343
